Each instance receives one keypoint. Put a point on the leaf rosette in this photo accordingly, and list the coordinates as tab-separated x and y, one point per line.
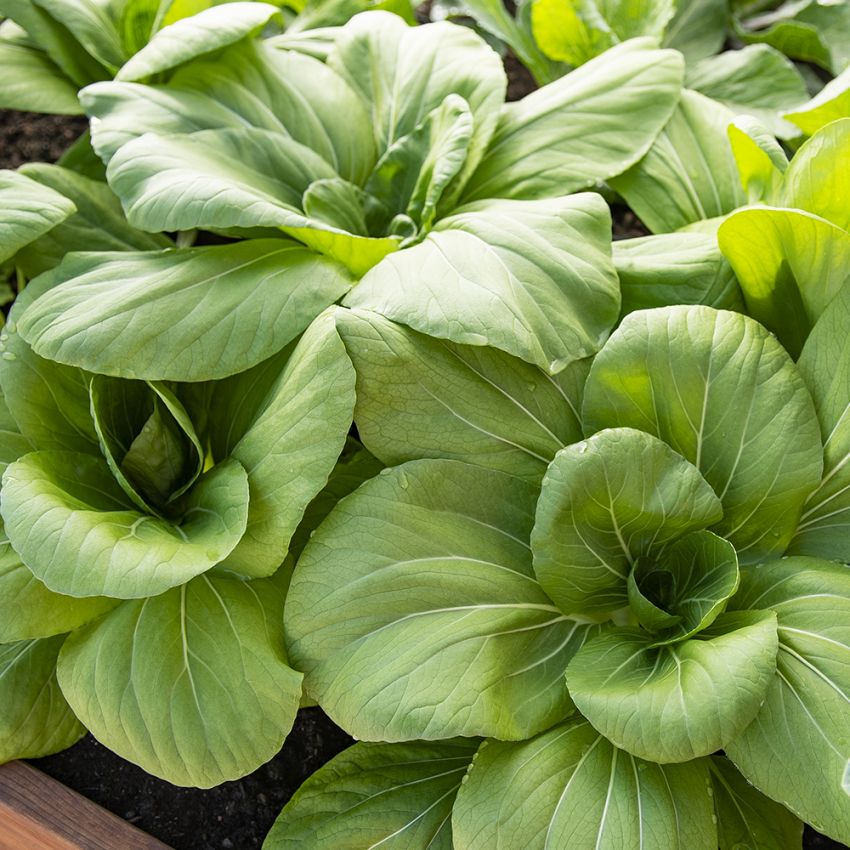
145	528
586	607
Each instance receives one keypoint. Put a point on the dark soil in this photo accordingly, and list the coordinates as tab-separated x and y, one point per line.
233	816
30	137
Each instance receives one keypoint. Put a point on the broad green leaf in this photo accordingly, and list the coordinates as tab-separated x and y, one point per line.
97	225
574	31
532	278
569	787
683	588
790	265
676	702
816	180
674	268
214	179
824	528
421	397
745	817
290	441
29	610
829	104
393	795
185	315
760	159
606	502
720	390
689	173
33	83
192	685
384	59
188	38
698	28
35	719
27	210
811	31
586	127
75	529
52	36
464	641
757	81
48	401
803	719
417	169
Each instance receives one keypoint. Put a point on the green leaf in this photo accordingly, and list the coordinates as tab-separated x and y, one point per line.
188	38
29	610
35	720
74	528
33	83
674	703
574	31
464	641
48	401
569	787
338	203
27	210
722	392
689	174
97	225
760	159
698	28
185	315
586	127
288	440
831	103
417	169
790	265
532	278
421	397
606	502
815	180
745	817
757	81
674	268
802	721
690	581
192	685
393	795
384	59
825	365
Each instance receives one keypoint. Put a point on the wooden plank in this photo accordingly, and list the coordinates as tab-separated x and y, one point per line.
39	813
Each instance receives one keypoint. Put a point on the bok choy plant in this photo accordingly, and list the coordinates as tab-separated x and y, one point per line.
608	616
394	158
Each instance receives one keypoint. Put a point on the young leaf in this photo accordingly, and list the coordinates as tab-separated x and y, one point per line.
35	719
760	159
190	314
824	528
588	126
532	278
75	529
569	787
722	392
422	397
192	685
605	502
464	641
802	721
676	702
394	795
831	103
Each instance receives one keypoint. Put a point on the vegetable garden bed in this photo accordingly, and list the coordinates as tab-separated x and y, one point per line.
323	383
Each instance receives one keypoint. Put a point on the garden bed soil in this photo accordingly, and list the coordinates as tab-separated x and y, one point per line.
236	815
